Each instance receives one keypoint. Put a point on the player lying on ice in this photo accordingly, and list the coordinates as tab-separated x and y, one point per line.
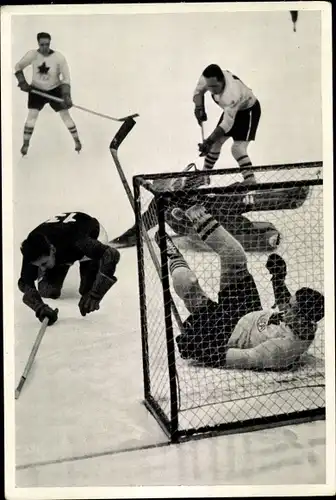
236	332
48	66
52	248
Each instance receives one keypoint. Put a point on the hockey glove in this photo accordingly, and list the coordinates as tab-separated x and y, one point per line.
200	114
44	311
66	95
22	82
90	302
204	147
276	267
33	300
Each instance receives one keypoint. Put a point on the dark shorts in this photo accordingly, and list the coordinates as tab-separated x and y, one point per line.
38	102
246	124
207	332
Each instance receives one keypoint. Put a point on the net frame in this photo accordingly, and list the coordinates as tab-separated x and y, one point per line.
168	415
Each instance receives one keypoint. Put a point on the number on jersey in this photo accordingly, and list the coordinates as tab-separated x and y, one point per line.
65	218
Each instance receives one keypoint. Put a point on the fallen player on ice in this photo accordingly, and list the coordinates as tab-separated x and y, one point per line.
52	248
236	332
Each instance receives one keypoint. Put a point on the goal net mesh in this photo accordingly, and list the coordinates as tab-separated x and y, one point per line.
277	218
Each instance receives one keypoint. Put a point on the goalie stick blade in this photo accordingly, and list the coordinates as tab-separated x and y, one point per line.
122	133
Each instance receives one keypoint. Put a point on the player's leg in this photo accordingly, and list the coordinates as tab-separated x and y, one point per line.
239	152
214	153
71	126
50	283
65	116
35	105
184	280
238	291
243	132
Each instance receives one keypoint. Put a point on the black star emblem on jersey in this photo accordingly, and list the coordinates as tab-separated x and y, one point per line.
43	69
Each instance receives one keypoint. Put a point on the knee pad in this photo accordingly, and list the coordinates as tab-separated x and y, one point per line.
238	149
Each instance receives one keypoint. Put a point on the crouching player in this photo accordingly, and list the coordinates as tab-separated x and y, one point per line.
52	248
47	65
236	332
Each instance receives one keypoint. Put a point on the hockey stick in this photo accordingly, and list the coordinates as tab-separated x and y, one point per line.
32	357
202	131
115	143
58	99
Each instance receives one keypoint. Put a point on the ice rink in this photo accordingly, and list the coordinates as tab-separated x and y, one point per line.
80	420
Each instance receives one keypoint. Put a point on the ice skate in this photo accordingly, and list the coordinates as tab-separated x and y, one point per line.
78	146
24	149
127	239
192	182
249	180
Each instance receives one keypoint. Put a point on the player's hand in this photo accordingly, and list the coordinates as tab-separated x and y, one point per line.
200	114
88	303
67	101
276	266
44	311
204	147
24	86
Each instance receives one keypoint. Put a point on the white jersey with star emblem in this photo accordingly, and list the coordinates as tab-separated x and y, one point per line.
47	70
256	344
236	96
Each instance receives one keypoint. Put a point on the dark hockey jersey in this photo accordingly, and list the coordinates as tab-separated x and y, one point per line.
71	233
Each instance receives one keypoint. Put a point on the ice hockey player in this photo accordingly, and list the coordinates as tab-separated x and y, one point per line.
239	120
52	248
236	332
47	68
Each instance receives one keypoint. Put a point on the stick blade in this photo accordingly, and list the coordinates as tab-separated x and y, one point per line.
122	133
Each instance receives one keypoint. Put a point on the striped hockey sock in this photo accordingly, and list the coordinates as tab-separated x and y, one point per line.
27	133
244	161
204	224
73	131
210	160
175	258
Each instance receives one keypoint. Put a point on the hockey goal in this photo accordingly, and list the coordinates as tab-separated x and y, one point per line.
283	213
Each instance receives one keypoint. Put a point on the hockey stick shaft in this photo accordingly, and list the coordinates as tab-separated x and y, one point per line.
116	141
58	99
32	356
202	131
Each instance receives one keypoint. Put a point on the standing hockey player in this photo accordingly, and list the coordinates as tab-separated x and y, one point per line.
236	332
52	248
48	66
239	120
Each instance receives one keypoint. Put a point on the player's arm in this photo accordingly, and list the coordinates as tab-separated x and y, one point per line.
198	99
273	354
31	296
66	83
221	130
26	60
276	266
108	258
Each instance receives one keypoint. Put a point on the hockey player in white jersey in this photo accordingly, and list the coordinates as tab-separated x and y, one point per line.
239	120
48	66
235	331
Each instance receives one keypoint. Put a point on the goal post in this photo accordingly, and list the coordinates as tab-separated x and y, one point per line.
282	213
